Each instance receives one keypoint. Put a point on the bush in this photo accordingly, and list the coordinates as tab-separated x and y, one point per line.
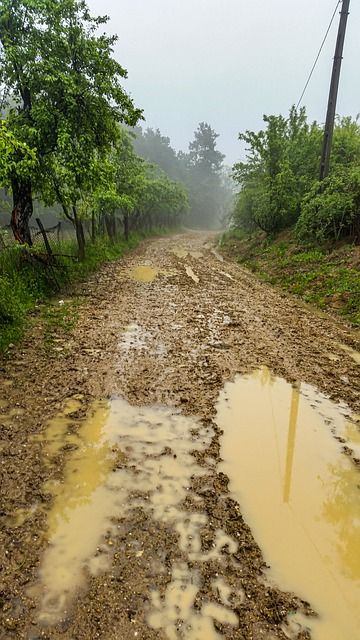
331	210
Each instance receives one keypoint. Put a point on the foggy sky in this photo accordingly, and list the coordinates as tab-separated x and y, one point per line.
228	62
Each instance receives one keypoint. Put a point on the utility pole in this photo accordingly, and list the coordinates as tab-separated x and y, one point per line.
333	94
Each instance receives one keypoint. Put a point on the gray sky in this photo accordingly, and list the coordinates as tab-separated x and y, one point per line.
228	62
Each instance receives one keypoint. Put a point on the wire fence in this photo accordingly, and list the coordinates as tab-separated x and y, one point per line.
57	235
62	235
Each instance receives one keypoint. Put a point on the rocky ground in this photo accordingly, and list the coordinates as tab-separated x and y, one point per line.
167	335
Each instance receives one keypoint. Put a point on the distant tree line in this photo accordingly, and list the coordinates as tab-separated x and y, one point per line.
279	184
201	169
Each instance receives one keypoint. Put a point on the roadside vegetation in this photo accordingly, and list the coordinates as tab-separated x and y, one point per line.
26	283
289	228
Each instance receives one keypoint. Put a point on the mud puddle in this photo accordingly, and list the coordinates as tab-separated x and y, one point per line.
120	458
182	253
136	338
217	255
299	493
191	274
146	273
227	275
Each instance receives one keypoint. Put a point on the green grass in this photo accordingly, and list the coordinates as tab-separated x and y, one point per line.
325	277
26	283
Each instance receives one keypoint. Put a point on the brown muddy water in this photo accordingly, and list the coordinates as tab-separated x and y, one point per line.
183	252
147	273
144	273
299	493
121	458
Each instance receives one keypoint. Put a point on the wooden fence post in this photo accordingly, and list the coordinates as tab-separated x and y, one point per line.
46	241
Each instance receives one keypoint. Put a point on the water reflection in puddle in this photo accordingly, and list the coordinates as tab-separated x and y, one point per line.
122	458
299	493
227	275
217	255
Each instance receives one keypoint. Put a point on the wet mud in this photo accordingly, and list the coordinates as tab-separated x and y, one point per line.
117	516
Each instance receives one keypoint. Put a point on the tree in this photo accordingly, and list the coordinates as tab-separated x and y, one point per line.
151	145
204	179
66	88
281	165
120	193
203	155
160	201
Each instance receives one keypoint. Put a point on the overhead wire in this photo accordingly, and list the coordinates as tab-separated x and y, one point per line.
319	54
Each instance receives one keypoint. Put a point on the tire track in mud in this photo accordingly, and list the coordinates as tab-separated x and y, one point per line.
168	339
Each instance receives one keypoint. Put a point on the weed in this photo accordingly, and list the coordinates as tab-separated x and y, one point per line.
59	319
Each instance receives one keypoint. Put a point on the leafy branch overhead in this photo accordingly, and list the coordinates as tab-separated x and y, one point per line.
16	158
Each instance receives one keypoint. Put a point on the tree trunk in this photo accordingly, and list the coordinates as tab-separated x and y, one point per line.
109	227
93	226
80	237
22	210
126	226
113	227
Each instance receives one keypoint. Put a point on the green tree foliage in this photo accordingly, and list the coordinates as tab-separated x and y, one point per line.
282	161
120	194
200	170
151	145
331	210
279	181
137	192
203	154
205	178
346	144
63	91
15	157
160	201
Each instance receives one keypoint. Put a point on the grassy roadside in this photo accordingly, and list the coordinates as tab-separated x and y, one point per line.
328	278
25	284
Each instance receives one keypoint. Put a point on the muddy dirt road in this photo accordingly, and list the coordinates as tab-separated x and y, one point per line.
117	520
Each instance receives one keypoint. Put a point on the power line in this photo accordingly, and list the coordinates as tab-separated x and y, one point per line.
318	55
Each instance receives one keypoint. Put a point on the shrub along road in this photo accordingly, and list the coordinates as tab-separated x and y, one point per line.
131	513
